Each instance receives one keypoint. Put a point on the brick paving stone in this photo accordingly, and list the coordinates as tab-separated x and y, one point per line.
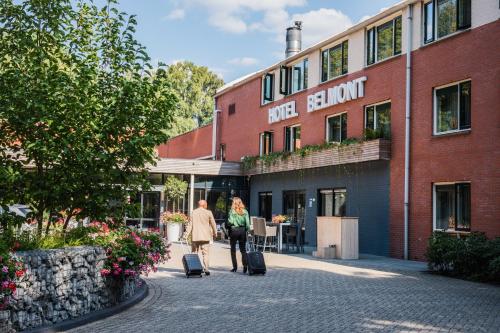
301	294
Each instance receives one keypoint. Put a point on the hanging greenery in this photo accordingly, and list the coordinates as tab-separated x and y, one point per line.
250	162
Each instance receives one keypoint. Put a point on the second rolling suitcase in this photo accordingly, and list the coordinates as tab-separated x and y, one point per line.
256	263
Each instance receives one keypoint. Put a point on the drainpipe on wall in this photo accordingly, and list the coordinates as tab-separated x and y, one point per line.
214	130
407	127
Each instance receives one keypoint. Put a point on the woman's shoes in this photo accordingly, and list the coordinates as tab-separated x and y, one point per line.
234	270
245	268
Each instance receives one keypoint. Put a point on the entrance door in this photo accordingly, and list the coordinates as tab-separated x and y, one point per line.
294	205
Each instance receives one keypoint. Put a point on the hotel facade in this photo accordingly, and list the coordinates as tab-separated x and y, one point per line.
394	121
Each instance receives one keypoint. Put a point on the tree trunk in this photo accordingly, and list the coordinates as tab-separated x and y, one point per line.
66	222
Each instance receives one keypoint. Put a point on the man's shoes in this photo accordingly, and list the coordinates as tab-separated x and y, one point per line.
207	273
234	270
245	268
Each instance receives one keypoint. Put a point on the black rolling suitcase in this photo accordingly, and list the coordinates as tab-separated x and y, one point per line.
192	264
255	262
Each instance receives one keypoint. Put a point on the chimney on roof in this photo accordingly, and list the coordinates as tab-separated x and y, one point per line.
294	39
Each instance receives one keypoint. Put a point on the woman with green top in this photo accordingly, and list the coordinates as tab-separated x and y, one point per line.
239	224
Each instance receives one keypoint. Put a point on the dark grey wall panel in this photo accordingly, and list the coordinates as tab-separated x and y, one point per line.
367	187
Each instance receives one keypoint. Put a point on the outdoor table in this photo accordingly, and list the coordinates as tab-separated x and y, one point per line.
280	233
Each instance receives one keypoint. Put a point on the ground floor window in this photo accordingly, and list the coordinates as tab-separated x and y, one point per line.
294	205
292	138
378	121
336	128
332	202
452	207
266	205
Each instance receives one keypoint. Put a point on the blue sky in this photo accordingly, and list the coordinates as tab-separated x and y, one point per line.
237	37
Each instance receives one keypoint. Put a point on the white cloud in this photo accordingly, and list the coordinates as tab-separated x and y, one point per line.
366	17
176	14
232	15
321	24
244	61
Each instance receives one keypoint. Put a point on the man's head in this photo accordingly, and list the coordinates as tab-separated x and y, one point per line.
202	204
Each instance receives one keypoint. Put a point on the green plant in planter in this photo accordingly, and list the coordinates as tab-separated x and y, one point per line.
177	217
175	188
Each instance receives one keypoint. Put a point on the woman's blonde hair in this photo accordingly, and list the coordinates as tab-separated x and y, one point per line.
238	206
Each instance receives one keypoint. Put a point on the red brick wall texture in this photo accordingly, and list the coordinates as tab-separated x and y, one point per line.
473	156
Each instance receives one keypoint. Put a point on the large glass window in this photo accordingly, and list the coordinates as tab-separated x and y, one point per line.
383	41
334	61
267	88
292	138
452	108
332	202
452	209
444	17
294	78
266	205
337	128
266	143
378	121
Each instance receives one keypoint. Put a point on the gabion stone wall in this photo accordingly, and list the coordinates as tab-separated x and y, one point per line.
62	284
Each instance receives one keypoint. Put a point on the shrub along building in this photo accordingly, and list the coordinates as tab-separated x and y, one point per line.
393	121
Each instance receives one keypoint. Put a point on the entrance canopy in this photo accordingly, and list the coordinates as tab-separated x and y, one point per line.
196	167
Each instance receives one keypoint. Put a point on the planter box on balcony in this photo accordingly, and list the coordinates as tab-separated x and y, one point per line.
373	150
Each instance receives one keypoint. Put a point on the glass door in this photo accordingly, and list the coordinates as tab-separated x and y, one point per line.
294	205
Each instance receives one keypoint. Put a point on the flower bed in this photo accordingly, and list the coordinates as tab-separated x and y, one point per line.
46	286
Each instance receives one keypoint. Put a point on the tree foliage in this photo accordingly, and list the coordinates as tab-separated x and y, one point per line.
82	109
195	87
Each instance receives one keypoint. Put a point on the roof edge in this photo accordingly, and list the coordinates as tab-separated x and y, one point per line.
360	25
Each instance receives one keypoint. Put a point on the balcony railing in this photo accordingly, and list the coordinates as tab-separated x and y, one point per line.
374	150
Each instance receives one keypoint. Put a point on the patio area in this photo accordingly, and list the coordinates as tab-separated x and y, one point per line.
302	294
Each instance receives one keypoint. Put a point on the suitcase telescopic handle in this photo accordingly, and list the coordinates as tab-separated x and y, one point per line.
184	246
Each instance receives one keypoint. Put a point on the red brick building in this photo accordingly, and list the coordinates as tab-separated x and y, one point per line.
314	96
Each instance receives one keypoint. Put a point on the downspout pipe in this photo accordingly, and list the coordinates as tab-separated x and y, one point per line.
409	46
214	130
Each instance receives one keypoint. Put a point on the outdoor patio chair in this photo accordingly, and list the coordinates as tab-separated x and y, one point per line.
266	235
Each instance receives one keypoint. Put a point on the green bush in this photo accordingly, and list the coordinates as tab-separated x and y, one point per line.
473	257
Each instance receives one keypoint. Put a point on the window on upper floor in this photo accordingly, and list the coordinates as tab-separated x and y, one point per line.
452	207
268	88
265	143
452	108
294	78
378	121
383	41
292	138
444	17
334	61
231	109
336	128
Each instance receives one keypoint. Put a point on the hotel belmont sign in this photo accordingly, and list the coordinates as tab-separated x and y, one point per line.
322	99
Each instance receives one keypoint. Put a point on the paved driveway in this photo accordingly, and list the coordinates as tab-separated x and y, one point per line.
300	294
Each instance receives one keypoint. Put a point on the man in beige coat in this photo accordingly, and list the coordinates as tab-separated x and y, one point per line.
203	230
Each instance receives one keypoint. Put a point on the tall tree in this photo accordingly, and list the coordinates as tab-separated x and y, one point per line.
195	87
81	111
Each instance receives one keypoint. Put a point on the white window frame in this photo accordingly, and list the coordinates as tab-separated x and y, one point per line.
435	24
291	147
327	127
261	142
375	26
328	48
375	113
434	204
434	108
291	72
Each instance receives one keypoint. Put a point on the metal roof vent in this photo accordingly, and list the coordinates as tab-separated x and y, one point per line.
294	39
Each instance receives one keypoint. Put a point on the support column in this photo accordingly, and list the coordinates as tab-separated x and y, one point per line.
191	195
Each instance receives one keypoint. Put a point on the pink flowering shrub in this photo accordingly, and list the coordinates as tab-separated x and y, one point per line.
11	269
131	253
